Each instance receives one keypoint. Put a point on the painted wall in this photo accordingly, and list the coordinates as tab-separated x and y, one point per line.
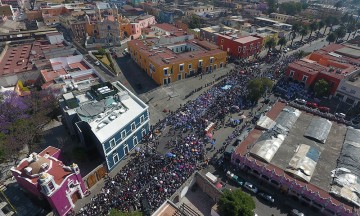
33	189
130	142
59	201
232	47
127	128
157	73
298	75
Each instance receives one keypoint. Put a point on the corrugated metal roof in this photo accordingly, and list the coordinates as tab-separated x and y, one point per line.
318	129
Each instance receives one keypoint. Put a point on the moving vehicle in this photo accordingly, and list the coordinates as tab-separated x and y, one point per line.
97	63
266	197
251	187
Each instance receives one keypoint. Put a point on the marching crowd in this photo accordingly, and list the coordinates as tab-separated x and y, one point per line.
149	178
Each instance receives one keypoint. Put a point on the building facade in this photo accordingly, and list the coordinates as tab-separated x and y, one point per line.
108	117
46	177
175	61
242	47
316	66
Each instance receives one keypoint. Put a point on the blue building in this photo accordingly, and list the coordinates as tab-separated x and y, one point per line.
166	16
107	116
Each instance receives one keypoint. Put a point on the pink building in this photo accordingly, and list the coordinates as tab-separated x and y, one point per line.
140	23
46	177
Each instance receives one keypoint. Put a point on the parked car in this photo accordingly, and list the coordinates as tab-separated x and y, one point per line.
312	105
238	181
251	187
340	115
296	212
266	197
324	109
97	63
300	101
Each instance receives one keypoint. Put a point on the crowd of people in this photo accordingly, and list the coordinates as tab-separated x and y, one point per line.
149	178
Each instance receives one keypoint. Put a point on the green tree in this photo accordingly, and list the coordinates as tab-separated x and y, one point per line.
236	203
272	6
115	212
350	28
327	23
291	8
334	21
322	88
321	25
102	51
257	87
338	4
271	43
294	30
194	22
331	37
282	42
313	27
303	32
340	32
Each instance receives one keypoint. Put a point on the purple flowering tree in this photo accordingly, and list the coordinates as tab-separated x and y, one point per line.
22	120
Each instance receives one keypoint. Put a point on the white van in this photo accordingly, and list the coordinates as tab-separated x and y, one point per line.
211	177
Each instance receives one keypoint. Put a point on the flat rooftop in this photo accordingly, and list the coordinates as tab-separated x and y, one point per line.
330	150
108	115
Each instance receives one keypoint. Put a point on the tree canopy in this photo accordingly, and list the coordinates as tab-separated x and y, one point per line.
331	37
322	88
115	212
22	120
236	203
257	87
194	22
292	8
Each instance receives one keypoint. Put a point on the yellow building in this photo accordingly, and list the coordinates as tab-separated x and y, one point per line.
267	33
180	60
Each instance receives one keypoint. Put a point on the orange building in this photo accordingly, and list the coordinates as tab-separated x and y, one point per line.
180	60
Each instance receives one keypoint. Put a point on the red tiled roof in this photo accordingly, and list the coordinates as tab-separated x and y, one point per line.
172	58
56	170
166	27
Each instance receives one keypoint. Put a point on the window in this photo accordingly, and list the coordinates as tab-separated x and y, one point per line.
239	49
222	40
141	119
112	143
116	158
244	49
258	45
190	66
221	65
200	63
166	71
304	78
211	60
123	134
133	126
292	73
51	186
181	67
179	76
251	46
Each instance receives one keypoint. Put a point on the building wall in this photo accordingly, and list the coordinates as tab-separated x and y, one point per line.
129	141
299	74
157	73
33	189
110	30
33	15
78	30
201	9
208	36
232	47
59	201
348	91
166	16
